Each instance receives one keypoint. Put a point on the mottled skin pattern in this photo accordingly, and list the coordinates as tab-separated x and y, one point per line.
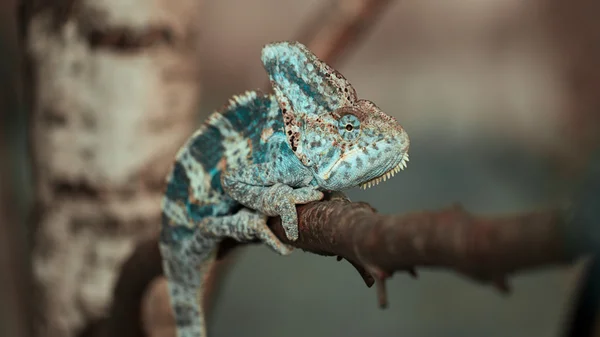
260	156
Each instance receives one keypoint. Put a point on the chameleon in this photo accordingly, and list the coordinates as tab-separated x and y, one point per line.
261	155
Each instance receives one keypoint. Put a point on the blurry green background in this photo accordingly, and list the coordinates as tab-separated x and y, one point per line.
483	89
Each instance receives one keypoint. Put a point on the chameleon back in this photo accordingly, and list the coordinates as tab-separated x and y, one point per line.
238	134
248	130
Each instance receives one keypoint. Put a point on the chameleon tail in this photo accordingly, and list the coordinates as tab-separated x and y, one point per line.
186	281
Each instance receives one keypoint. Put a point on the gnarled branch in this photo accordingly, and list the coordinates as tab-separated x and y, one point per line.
486	249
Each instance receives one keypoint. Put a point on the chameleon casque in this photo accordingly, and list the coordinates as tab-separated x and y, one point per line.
261	155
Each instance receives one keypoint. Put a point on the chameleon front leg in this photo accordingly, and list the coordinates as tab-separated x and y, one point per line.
187	263
268	189
244	226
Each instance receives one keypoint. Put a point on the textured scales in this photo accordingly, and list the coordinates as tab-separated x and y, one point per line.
260	156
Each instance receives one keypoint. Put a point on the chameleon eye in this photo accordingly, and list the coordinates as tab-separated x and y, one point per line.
349	127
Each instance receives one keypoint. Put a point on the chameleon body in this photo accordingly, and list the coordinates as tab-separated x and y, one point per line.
261	155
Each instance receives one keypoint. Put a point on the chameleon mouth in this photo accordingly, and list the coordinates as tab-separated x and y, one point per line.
390	173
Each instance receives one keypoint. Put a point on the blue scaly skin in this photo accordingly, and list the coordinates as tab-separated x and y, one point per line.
262	155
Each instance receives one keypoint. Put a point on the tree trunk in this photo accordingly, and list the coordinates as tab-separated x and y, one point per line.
113	88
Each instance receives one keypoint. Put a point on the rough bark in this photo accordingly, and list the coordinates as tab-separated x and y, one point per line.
485	249
113	88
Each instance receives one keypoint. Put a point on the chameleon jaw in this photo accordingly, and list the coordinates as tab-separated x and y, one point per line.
401	166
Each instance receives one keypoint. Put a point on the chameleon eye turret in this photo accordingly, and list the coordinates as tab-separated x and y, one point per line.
365	147
349	127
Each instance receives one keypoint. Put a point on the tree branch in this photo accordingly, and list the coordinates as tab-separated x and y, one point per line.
485	249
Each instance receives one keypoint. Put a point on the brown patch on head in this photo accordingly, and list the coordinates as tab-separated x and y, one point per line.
357	110
287	117
292	127
191	199
369	108
266	134
222	164
304	159
294	139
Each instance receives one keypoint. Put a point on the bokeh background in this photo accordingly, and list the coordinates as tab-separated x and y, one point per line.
499	99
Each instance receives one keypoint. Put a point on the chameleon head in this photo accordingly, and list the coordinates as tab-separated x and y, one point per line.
343	140
356	145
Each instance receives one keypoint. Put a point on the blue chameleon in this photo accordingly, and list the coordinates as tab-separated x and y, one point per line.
260	156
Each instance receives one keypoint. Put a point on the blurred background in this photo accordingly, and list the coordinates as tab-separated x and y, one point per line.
499	98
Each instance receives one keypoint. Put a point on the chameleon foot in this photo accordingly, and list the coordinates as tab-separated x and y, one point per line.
253	225
282	200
